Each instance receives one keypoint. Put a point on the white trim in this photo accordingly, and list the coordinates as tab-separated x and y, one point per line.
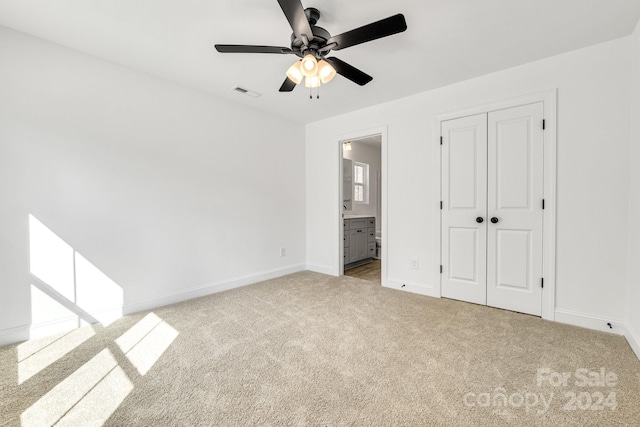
339	227
384	230
549	213
437	190
590	321
14	335
210	288
549	100
38	330
324	269
413	287
24	332
65	324
633	338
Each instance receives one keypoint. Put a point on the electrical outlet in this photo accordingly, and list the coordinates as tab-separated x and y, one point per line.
283	251
414	263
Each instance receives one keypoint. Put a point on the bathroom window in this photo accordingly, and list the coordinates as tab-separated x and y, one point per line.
361	182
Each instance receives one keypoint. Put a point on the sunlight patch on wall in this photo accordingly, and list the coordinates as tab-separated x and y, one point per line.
35	362
96	293
51	259
48	316
70	279
146	341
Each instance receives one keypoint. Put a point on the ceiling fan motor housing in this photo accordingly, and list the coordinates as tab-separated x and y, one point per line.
320	36
316	41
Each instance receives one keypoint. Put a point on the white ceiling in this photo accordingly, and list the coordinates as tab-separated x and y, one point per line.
447	41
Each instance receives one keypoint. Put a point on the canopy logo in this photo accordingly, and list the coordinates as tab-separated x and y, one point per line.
600	397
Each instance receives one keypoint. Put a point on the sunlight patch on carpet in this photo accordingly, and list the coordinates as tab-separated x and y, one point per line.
95	390
34	362
56	403
146	341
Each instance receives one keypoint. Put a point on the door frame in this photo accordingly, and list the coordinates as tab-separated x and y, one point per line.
354	136
549	101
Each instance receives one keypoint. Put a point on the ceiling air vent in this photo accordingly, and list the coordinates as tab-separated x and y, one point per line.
246	92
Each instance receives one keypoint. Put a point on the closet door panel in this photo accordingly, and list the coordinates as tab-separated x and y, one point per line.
464	204
514	199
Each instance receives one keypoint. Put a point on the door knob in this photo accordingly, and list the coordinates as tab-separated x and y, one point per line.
479	220
494	220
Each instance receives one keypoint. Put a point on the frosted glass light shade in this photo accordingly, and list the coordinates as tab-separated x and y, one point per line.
309	66
325	71
294	73
312	82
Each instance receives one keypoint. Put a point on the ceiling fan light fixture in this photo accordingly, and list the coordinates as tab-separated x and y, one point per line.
312	43
312	81
309	65
294	73
325	71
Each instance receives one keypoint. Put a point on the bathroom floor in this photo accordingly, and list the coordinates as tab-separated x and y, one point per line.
371	271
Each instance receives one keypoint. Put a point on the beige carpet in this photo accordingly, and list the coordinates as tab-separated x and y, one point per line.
310	349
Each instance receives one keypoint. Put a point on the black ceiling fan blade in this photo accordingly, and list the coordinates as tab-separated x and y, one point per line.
294	12
349	71
376	30
288	85
245	48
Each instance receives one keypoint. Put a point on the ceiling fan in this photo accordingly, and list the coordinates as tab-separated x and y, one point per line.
313	44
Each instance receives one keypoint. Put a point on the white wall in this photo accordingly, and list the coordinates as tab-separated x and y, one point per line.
169	192
633	297
592	175
372	156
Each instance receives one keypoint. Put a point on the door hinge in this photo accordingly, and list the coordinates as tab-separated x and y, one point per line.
440	140
441	269
542	203
542	282
440	204
544	124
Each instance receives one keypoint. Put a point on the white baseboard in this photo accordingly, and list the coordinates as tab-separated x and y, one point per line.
324	269
14	335
633	338
25	332
590	321
39	330
209	288
413	287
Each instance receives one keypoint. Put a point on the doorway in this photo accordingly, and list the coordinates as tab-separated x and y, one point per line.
361	206
492	208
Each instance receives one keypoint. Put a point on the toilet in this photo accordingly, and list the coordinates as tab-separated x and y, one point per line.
378	245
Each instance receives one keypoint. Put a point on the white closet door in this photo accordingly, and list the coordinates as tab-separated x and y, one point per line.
515	192
464	188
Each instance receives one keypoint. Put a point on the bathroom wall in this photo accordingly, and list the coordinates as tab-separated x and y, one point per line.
371	154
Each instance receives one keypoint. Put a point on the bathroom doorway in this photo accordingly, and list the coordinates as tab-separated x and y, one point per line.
362	207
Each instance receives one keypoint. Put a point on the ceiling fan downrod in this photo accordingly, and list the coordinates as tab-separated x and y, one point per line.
312	14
